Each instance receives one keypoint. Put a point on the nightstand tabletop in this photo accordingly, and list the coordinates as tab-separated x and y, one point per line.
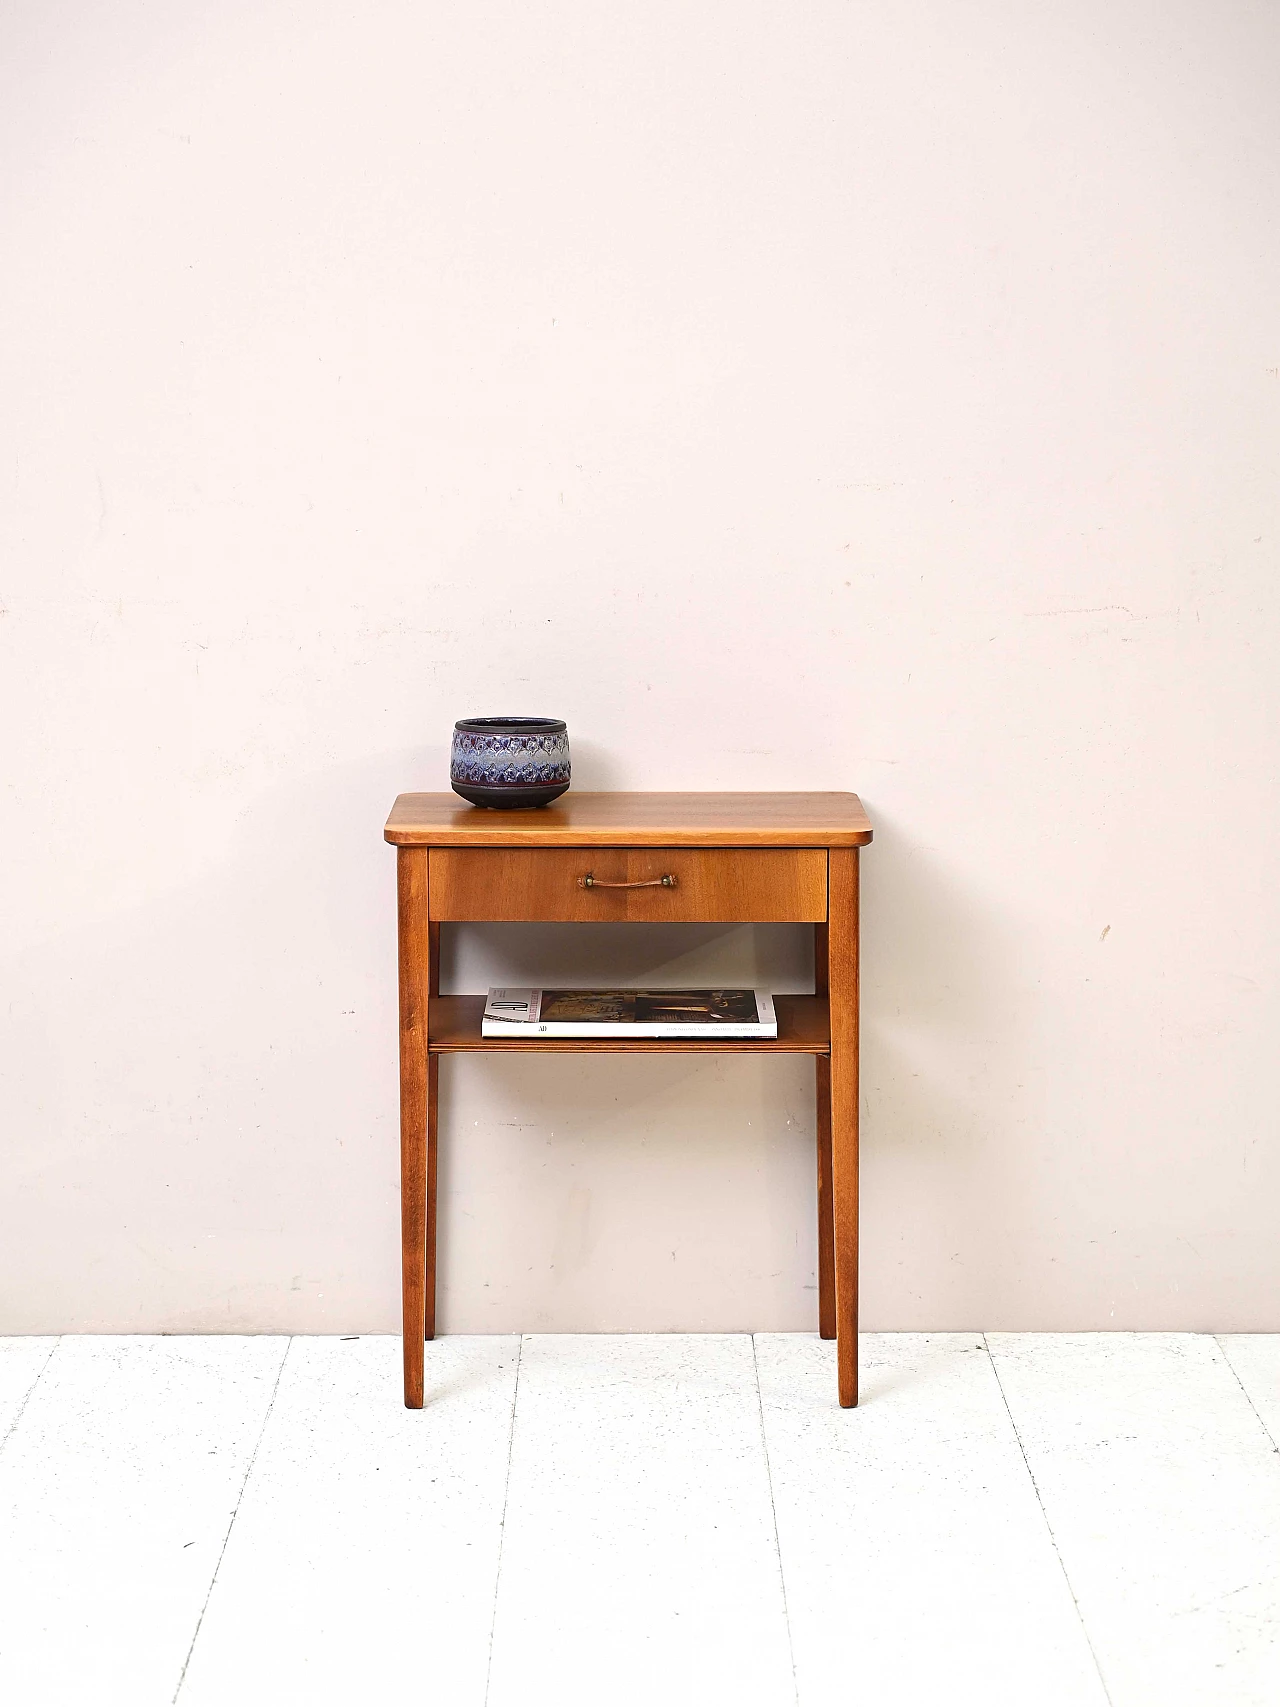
581	819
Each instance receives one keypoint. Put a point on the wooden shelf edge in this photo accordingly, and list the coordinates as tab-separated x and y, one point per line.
803	1029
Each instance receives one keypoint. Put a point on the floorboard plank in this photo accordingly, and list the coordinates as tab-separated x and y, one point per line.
22	1360
362	1564
116	1490
367	1557
1164	1496
1255	1358
639	1563
917	1562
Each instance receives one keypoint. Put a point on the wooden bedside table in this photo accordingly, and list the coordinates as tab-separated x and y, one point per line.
741	858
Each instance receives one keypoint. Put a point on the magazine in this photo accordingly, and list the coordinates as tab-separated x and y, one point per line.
630	1013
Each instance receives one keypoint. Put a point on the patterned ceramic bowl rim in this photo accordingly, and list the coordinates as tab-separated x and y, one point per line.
511	725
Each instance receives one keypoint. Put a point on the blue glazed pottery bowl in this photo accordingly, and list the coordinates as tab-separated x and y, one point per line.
509	761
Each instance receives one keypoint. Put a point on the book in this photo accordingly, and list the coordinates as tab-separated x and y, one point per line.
629	1013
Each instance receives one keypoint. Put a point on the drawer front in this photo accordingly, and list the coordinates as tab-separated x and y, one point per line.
708	885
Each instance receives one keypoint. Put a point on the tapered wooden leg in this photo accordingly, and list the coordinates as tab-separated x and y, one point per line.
429	1236
826	1211
843	995
415	973
433	1122
826	1236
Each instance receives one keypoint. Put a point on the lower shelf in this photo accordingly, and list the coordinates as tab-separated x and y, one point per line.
804	1028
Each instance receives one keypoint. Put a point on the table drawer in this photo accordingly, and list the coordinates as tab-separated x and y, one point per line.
759	885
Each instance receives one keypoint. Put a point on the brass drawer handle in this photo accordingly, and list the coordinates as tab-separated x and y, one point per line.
666	881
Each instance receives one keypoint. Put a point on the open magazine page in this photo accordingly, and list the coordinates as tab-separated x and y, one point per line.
635	1013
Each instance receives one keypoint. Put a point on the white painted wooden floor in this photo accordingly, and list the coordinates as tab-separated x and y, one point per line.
1062	1521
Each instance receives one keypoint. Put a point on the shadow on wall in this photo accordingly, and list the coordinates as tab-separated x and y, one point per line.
940	1013
217	1068
595	768
627	1194
203	1133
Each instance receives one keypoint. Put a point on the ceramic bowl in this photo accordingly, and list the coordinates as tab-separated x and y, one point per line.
509	761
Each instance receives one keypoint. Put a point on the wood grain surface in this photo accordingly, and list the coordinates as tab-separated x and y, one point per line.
826	1211
664	820
842	973
429	1216
415	976
707	884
